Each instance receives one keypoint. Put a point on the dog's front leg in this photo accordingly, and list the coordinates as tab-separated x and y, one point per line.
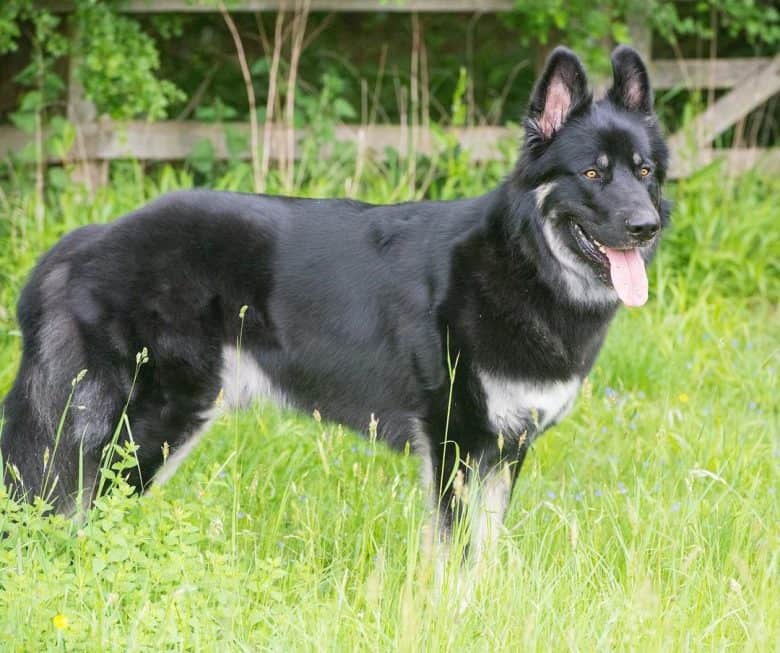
469	494
444	536
492	486
473	494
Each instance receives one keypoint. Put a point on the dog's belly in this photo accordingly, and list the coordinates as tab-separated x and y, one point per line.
514	404
244	381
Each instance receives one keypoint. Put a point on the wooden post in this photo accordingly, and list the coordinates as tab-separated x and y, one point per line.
641	35
82	113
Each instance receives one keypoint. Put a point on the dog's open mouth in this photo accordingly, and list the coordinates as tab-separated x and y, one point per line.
625	267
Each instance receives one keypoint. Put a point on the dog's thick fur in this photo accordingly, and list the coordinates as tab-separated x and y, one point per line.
353	309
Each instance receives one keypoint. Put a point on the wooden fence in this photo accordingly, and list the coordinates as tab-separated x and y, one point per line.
751	82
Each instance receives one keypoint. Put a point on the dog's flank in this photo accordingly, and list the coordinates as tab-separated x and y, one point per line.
353	310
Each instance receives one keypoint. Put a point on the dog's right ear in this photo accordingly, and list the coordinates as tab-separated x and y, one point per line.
560	92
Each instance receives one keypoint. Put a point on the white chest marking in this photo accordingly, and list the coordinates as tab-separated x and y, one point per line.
512	402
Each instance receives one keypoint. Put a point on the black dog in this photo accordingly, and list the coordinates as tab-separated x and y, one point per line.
476	318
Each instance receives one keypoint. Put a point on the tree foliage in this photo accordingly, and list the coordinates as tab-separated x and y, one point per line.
117	56
587	26
116	61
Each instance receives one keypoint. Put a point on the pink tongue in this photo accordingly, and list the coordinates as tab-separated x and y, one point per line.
629	278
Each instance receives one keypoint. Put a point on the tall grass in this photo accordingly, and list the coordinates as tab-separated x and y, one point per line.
646	522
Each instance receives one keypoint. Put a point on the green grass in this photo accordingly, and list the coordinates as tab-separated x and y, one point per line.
648	521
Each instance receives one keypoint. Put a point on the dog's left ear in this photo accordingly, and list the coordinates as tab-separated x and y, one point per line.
631	84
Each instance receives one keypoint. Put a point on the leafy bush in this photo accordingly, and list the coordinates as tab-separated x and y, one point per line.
120	66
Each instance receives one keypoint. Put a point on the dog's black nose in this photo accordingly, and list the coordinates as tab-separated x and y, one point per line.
643	226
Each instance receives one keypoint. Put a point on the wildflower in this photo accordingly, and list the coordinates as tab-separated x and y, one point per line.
78	378
60	621
675	506
683	398
216	527
551	494
141	358
458	485
373	426
622	487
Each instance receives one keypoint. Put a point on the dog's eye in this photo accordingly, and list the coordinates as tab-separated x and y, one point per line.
644	171
592	174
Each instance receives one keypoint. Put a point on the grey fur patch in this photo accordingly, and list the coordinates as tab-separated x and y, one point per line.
580	281
59	347
91	414
541	194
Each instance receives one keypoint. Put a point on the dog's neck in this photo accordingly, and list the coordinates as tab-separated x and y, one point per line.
504	300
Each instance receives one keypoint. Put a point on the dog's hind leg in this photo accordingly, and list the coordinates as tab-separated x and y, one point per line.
51	447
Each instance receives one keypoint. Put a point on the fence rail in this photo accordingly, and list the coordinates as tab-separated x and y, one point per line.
175	140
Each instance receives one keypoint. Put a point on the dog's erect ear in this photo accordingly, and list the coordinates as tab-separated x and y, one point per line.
631	84
561	91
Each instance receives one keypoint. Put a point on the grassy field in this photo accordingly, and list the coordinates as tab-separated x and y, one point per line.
648	521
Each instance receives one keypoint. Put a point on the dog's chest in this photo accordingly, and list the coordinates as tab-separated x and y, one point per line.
514	404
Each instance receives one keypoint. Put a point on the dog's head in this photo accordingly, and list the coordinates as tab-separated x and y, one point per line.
595	169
